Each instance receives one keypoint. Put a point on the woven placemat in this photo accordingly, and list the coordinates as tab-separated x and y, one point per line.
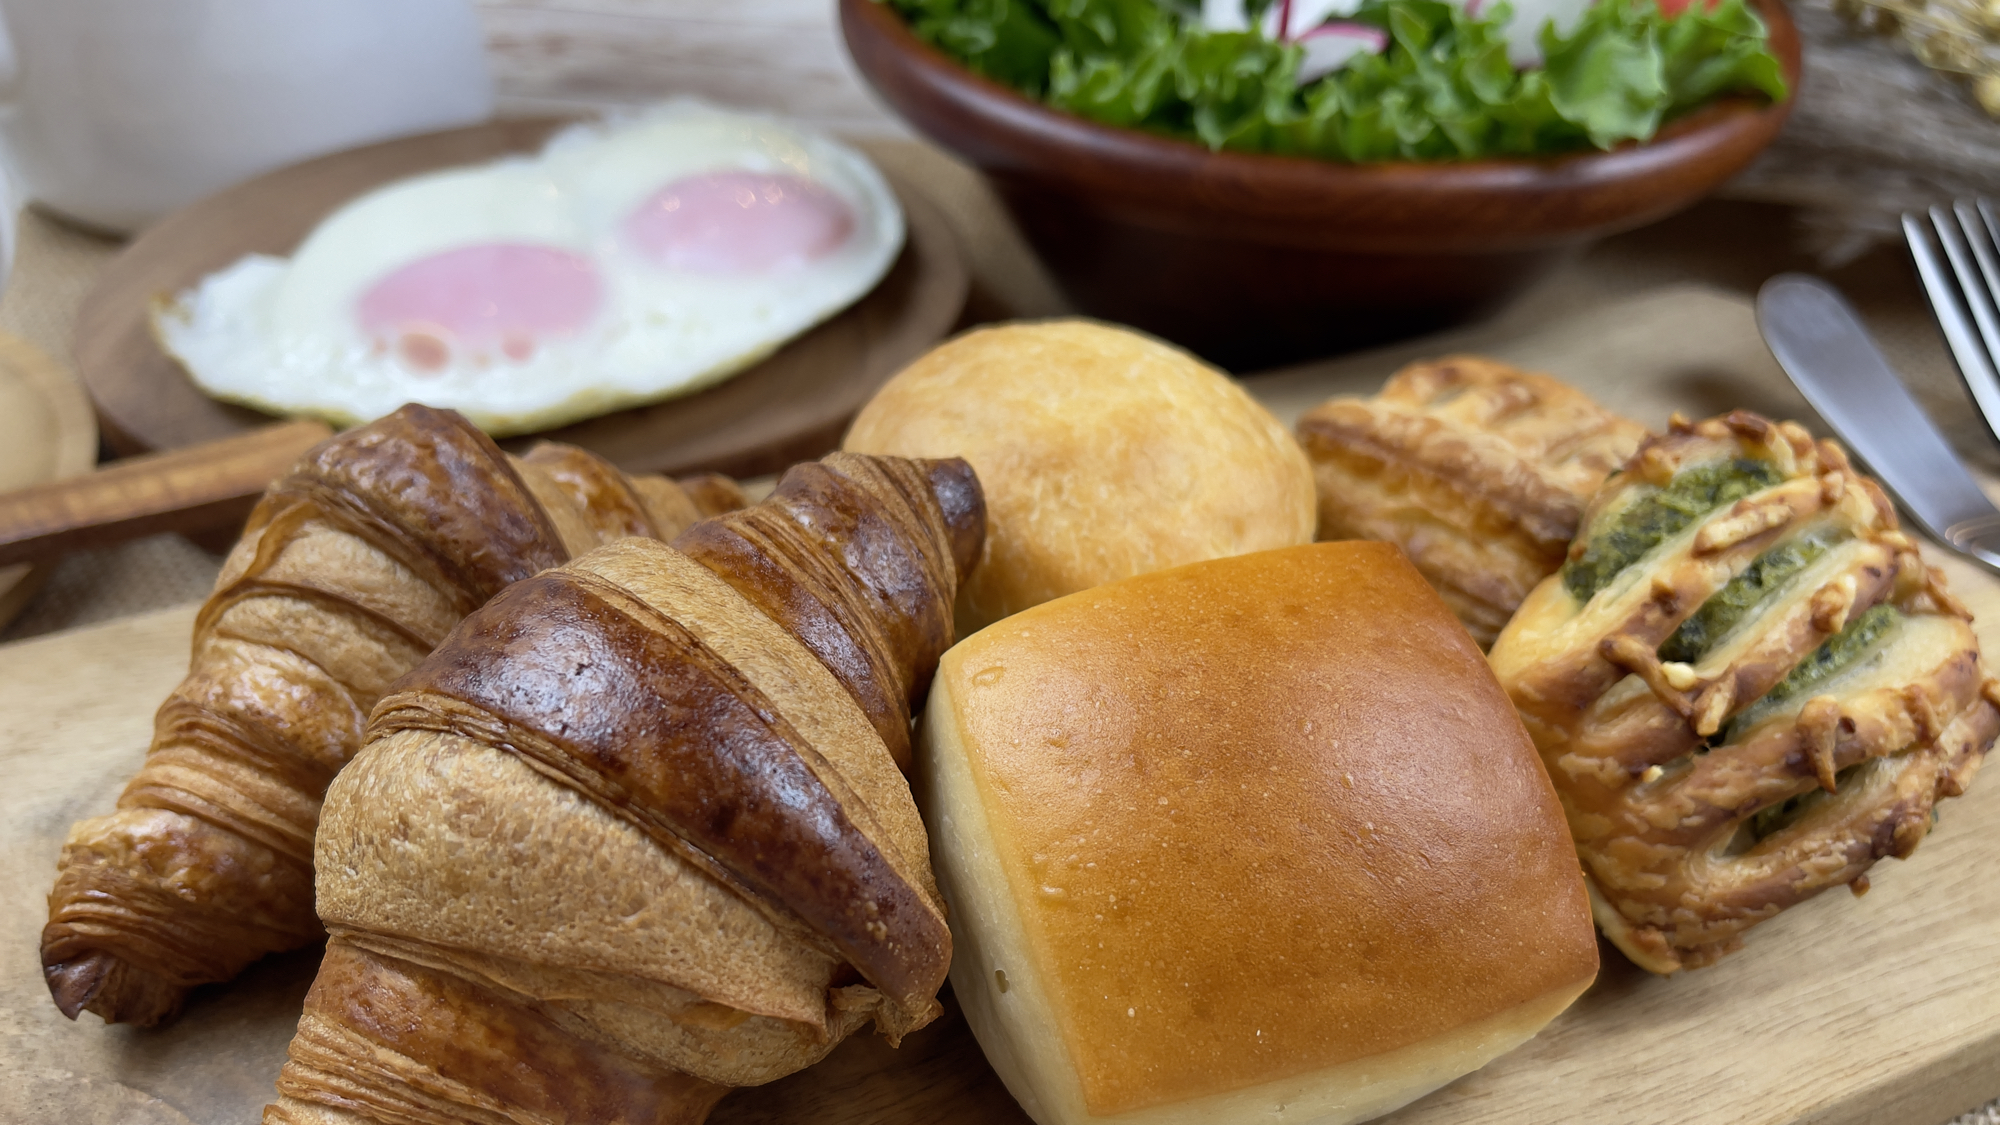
54	266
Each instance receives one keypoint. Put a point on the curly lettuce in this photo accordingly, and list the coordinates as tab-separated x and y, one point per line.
1444	88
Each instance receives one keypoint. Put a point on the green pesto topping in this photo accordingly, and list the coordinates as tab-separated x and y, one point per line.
1835	655
1624	537
1768	574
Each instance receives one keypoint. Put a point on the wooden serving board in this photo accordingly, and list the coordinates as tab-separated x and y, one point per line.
790	406
1844	1011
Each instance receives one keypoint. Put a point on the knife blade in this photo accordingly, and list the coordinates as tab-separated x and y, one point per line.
1830	357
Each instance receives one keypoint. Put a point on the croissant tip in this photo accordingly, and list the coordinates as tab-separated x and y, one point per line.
74	984
963	504
104	983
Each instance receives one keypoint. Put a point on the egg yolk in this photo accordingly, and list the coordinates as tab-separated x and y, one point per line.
739	223
475	301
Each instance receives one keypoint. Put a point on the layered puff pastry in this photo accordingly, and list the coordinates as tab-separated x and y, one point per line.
633	835
1480	471
1746	684
352	567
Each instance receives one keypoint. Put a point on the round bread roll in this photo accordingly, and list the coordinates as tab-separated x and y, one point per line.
1252	840
1103	453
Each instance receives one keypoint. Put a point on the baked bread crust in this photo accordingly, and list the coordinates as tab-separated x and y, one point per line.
626	839
1708	785
1477	469
353	566
1103	454
1247	840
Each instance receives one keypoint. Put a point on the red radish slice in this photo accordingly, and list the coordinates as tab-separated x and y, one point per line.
1295	19
475	301
1331	46
739	223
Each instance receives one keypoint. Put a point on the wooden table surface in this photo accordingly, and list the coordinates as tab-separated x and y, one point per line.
1873	1010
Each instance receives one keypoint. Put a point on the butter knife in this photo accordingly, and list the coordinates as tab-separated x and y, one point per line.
1822	345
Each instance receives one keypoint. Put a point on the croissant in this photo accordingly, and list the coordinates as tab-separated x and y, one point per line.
1746	685
352	567
1478	470
631	836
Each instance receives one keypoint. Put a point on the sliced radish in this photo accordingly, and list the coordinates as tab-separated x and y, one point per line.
1331	46
1296	19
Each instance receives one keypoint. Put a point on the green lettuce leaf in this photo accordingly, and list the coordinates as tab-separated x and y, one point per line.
1444	89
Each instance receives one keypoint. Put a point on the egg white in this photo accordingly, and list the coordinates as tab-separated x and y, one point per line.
282	335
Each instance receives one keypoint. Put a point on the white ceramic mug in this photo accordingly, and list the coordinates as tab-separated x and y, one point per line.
114	112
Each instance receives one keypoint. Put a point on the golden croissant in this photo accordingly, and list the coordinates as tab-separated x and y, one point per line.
352	567
1478	470
1746	684
634	834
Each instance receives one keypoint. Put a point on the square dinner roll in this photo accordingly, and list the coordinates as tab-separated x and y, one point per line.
1255	839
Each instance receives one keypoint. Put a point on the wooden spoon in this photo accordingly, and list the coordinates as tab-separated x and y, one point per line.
198	488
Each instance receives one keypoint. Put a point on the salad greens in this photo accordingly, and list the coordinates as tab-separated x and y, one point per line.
1443	89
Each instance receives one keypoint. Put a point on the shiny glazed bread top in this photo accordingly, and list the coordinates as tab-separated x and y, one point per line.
1256	818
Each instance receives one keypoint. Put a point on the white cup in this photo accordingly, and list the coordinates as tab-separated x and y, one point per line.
115	112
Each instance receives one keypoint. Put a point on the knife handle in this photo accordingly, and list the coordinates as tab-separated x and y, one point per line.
199	488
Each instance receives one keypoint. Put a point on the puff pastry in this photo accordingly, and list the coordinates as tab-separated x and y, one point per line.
352	567
1478	470
628	838
1746	685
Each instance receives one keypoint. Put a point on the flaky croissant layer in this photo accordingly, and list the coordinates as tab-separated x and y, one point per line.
352	568
1746	684
634	834
1478	470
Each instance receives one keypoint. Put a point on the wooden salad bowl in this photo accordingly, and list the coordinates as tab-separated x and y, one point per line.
1252	260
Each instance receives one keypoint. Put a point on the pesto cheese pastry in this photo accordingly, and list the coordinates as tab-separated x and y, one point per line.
1253	840
1746	684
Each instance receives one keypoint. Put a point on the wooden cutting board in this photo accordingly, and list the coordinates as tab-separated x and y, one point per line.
1844	1011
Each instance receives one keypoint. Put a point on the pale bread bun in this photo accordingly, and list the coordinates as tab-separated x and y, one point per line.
1257	839
1103	453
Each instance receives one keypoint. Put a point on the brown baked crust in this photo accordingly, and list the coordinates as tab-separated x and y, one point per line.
1261	816
369	1016
1661	788
1477	469
1103	453
630	708
771	554
637	720
352	567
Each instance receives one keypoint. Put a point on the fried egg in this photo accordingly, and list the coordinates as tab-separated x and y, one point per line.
630	261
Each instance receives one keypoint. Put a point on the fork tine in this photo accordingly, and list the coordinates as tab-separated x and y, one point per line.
1985	208
1975	365
1980	290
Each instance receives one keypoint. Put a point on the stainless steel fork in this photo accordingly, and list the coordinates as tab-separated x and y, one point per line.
1966	298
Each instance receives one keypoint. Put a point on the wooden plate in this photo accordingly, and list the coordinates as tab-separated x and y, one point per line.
46	432
787	408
